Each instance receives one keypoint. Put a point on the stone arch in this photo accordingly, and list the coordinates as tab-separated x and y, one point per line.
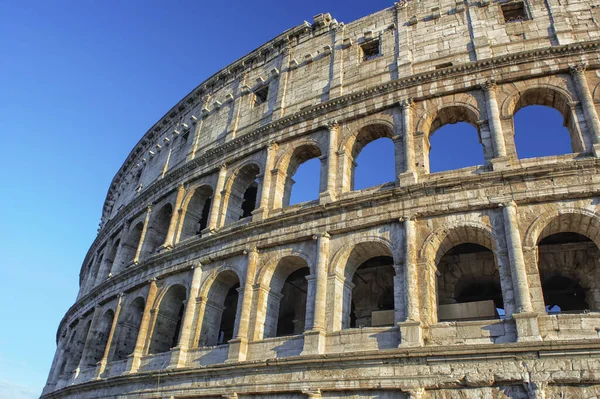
195	211
287	165
596	94
158	227
129	246
352	144
169	309
356	253
241	192
272	305
128	327
564	244
98	339
549	95
461	256
221	310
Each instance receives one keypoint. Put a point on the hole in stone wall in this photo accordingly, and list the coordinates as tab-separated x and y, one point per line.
168	320
243	194
228	318
292	307
128	329
455	146
514	12
261	95
370	50
375	165
203	222
306	182
249	201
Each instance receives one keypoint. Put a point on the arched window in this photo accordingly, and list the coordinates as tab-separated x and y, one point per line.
75	348
368	297
543	124
220	311
540	131
129	248
128	329
378	164
568	263
112	258
157	231
303	174
168	320
454	140
375	165
373	293
99	339
197	212
286	303
243	193
468	284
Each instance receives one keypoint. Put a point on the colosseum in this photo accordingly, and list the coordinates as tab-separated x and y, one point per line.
479	282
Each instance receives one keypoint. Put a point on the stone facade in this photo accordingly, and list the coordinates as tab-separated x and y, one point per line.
204	282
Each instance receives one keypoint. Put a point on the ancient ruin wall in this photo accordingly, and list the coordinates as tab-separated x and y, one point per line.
204	281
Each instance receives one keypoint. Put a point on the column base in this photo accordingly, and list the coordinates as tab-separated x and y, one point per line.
238	349
527	326
596	150
260	214
500	163
178	358
133	364
407	178
164	248
207	232
100	370
314	342
326	198
411	334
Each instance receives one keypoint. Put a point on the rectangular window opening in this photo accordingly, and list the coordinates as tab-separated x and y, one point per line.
260	95
514	12
444	65
370	50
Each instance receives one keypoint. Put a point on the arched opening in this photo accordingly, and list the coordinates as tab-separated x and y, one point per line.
94	271
286	302
373	293
454	140
304	175
98	339
540	131
371	161
375	165
197	212
128	329
157	231
111	259
129	248
368	297
569	264
76	347
218	324
468	284
70	348
243	193
168	320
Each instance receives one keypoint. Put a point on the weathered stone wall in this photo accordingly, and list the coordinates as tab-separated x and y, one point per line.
198	240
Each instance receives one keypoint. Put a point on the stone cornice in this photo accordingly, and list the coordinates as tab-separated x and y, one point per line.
456	182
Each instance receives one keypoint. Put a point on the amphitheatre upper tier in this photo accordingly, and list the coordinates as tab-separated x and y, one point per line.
484	277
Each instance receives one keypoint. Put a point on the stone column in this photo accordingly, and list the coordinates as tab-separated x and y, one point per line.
409	175
138	251
133	360
587	103
411	331
239	345
526	319
500	160
170	238
88	340
215	208
102	364
262	211
179	353
329	194
314	337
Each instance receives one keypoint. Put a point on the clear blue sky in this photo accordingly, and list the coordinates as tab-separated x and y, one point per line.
80	83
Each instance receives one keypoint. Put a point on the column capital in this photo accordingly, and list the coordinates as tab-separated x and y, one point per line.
149	207
272	145
488	85
312	393
152	280
333	125
321	235
250	250
577	69
120	295
406	103
507	204
223	166
408	218
195	265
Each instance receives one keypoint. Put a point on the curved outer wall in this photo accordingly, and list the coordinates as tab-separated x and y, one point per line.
183	297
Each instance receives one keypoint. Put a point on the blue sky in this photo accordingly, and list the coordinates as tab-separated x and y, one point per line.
80	83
